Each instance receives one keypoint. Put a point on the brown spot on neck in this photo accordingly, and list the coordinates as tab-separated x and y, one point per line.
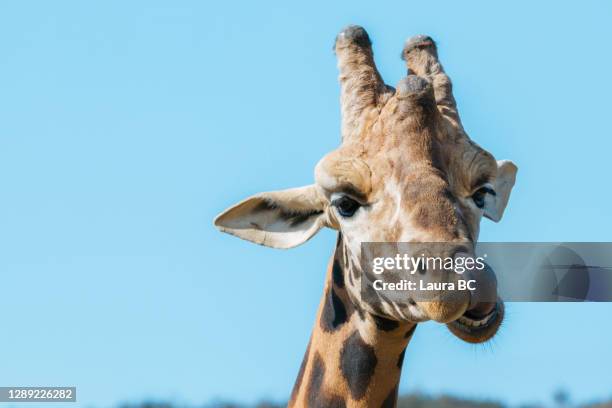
357	363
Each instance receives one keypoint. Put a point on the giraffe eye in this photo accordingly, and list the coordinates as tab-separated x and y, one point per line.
346	206
479	196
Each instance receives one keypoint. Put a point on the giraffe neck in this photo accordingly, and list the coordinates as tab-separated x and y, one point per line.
353	359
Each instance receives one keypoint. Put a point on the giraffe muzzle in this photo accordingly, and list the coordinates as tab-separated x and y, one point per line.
471	293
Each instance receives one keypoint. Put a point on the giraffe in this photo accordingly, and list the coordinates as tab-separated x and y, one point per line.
405	171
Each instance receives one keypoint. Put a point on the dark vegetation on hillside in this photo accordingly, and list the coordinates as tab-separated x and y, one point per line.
559	400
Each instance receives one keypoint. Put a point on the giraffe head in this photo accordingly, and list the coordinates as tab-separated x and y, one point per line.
406	171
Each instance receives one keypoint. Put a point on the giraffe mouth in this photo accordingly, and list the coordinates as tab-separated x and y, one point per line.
478	329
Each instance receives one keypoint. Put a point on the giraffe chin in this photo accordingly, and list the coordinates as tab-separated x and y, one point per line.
478	330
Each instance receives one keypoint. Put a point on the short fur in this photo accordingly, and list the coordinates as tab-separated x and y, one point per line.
408	162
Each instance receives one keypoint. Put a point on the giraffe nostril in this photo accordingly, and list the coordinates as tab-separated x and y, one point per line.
460	251
421	269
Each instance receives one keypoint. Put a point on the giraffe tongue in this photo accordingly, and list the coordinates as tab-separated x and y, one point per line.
484	297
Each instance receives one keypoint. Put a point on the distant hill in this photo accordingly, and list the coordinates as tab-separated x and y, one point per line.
405	401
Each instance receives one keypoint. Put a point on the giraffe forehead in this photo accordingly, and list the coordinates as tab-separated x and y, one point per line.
455	163
398	171
434	164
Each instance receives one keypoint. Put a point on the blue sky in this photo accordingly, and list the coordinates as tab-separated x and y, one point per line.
127	126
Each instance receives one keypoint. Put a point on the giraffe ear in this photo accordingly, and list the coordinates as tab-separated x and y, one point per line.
278	219
496	204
